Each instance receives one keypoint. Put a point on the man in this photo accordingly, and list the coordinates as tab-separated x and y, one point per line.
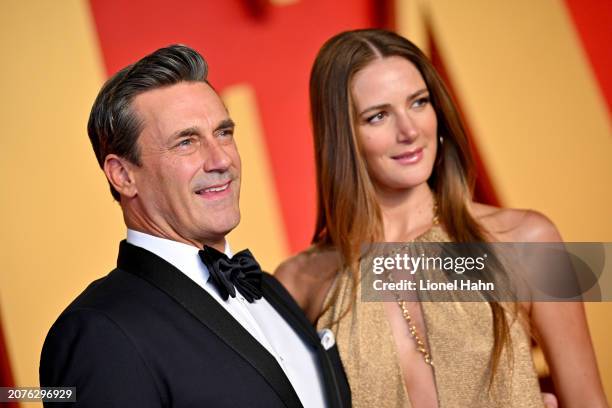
180	322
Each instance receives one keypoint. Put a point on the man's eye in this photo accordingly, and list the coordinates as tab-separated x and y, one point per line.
186	144
226	132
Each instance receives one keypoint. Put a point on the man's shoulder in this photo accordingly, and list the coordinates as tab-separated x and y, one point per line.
107	292
120	298
90	345
118	308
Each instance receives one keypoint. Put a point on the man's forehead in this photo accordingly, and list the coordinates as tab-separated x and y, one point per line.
183	98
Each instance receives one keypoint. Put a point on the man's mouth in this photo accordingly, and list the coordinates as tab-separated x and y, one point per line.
212	190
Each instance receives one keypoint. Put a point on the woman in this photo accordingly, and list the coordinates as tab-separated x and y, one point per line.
393	165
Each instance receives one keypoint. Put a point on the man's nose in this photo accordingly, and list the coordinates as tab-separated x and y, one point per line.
216	158
407	130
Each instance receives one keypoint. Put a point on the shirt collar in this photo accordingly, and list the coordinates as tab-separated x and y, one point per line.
182	256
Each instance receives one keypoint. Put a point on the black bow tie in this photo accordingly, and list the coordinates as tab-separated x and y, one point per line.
242	272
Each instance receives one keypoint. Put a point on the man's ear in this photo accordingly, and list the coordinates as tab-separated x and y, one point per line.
119	173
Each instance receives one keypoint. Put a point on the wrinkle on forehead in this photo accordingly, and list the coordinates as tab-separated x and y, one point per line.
168	110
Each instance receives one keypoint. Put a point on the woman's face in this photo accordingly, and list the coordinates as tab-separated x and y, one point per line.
395	123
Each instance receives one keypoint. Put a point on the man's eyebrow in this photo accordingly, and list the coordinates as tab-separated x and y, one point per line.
224	124
386	105
195	130
192	130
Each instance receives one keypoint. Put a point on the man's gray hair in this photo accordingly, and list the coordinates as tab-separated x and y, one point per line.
113	126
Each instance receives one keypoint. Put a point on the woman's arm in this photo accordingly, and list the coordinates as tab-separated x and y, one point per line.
564	338
564	335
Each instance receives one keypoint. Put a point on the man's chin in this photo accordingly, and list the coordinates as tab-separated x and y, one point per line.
222	225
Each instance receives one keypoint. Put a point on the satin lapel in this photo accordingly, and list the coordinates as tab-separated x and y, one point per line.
286	306
207	310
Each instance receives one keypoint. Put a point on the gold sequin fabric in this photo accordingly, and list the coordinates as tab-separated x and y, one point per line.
459	338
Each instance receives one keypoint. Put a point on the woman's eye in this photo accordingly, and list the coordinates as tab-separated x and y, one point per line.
376	118
421	102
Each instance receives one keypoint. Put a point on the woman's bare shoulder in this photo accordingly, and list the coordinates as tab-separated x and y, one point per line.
515	225
308	276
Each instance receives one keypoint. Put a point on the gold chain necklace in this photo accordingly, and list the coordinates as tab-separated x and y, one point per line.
414	333
420	344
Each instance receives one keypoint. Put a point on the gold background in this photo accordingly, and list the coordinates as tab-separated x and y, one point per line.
525	86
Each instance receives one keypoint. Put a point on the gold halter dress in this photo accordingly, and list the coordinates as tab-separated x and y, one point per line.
460	340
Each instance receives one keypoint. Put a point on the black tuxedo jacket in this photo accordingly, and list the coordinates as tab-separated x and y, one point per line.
147	336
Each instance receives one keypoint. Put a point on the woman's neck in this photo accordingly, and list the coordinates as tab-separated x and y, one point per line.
407	213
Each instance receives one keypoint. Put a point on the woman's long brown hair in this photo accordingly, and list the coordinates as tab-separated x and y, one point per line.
348	214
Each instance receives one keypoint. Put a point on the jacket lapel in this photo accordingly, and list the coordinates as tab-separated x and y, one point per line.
336	385
207	310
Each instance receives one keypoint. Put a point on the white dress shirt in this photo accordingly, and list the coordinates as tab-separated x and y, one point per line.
259	318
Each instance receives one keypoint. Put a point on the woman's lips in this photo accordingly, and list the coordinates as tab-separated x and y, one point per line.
411	157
